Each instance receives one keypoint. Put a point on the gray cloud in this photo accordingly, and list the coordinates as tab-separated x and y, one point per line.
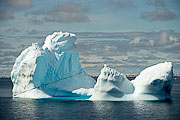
87	62
6	14
136	61
7	63
11	53
18	3
159	3
151	42
122	54
32	32
35	21
159	15
7	60
13	30
122	3
68	12
4	45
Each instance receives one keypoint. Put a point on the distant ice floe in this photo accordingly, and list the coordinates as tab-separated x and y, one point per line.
53	71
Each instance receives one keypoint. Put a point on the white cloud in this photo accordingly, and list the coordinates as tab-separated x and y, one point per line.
159	15
19	3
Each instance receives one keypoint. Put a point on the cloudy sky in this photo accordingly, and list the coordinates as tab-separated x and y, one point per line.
128	35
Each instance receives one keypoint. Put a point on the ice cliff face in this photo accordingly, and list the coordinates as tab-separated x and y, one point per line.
111	85
50	71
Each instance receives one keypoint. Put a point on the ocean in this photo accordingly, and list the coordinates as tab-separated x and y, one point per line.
46	109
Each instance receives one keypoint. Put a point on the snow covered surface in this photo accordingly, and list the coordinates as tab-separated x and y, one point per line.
111	85
155	81
52	70
84	91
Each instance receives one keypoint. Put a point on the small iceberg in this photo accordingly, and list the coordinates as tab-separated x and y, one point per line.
153	83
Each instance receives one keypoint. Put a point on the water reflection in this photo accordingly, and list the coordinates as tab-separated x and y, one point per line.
23	108
113	110
153	110
17	108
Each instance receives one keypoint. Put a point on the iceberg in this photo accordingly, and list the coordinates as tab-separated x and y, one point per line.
153	83
111	85
53	71
50	71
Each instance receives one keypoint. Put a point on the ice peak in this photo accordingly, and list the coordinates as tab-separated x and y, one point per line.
59	41
35	46
105	65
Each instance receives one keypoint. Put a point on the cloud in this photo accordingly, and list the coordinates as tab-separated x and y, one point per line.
13	30
11	53
35	21
139	42
32	32
6	14
68	12
88	62
4	45
162	41
122	3
159	15
136	51
19	3
159	3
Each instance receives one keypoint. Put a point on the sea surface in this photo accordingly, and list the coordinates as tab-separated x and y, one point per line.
51	109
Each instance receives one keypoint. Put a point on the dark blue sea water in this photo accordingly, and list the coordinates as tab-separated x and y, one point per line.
45	109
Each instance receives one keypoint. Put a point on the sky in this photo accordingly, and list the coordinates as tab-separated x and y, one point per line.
127	35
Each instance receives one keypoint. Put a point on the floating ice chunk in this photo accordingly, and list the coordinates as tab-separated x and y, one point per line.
84	91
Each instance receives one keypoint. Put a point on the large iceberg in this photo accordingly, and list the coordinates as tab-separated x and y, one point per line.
53	71
50	71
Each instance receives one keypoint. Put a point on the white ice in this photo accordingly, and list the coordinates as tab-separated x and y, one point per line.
153	83
111	85
54	69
